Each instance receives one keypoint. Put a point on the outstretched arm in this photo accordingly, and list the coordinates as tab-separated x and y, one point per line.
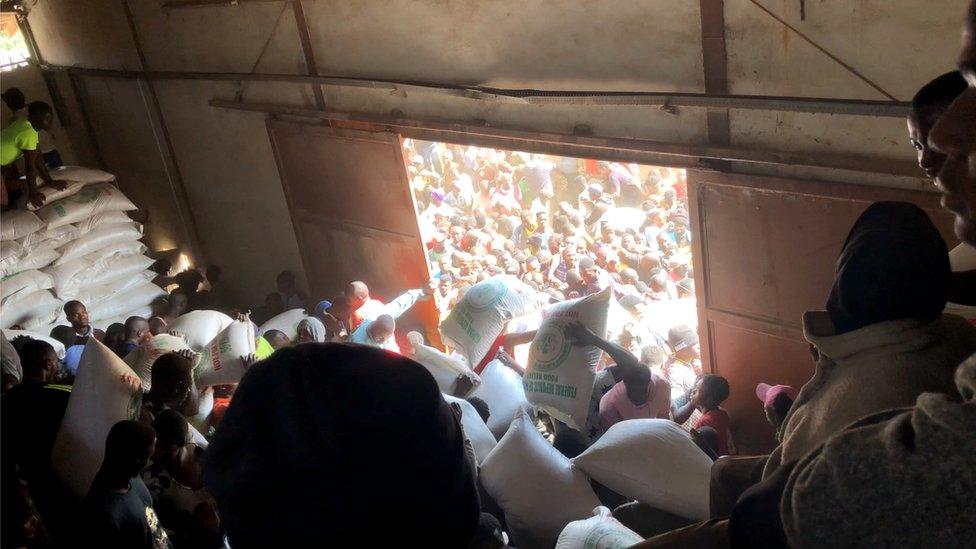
626	361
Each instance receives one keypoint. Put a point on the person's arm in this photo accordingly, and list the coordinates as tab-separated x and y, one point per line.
406	300
582	336
45	175
682	413
30	166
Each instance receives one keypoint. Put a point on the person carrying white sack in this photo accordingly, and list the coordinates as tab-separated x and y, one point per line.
378	332
639	395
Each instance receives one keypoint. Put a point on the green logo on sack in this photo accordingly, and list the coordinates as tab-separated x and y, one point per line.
484	295
550	348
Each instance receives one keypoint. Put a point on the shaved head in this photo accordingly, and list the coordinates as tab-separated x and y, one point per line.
358	294
382	328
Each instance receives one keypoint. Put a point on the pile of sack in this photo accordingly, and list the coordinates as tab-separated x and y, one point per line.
80	245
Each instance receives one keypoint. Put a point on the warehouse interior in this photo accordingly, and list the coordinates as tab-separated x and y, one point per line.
267	135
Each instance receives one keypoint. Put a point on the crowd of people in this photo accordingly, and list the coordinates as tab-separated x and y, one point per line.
354	443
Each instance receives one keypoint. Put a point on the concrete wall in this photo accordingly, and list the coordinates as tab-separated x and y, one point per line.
226	161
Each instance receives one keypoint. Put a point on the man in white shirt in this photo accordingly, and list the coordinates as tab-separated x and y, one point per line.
378	331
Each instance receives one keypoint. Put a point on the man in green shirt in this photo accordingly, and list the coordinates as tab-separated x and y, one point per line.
19	139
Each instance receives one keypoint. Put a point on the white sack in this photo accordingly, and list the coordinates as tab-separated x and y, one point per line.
501	388
475	429
38	259
205	404
87	202
119	268
653	461
286	323
104	218
445	368
559	377
51	194
35	309
200	327
119	250
94	295
105	392
220	361
10	253
537	487
106	235
76	177
16	224
480	317
125	301
14	288
58	346
49	238
601	531
141	360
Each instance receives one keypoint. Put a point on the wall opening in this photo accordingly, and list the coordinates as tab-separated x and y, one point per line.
13	48
486	211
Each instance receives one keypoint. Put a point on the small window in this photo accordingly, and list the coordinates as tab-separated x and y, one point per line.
13	48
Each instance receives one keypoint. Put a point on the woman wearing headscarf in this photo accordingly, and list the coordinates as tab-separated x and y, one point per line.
883	339
342	445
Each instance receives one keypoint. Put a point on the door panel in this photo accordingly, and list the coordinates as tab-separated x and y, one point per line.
765	251
352	210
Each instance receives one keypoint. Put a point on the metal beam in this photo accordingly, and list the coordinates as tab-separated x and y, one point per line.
202	3
715	68
684	154
852	107
306	40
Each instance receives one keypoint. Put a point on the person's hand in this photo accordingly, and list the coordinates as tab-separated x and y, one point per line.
58	184
430	287
464	386
187	354
248	360
177	333
580	335
35	197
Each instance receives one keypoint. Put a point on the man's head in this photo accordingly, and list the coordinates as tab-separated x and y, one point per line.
286	282
588	270
128	447
114	335
358	294
14	99
77	315
64	334
777	401
172	434
41	115
136	328
277	339
381	329
927	106
159	306
172	380
653	356
178	301
712	391
954	135
684	342
39	361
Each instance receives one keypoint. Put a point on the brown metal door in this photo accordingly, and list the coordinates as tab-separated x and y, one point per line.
765	251
352	210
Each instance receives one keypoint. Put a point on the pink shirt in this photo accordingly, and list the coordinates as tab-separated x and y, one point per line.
616	406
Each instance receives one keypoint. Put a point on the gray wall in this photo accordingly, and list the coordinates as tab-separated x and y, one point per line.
225	159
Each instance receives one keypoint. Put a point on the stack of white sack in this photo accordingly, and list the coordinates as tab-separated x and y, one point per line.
80	245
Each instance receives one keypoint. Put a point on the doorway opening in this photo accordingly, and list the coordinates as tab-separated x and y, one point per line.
484	211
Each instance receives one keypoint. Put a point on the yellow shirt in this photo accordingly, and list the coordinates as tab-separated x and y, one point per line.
16	138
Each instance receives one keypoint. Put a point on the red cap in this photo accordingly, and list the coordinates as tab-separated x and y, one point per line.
767	393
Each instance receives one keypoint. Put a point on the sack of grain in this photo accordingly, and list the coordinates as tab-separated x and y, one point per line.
10	253
35	309
480	317
475	429
94	295
75	176
286	322
49	238
653	461
104	218
200	327
141	360
445	368
501	388
38	259
559	377
106	235
16	287
537	487
220	361
601	531
14	334
135	298
105	392
16	224
89	201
